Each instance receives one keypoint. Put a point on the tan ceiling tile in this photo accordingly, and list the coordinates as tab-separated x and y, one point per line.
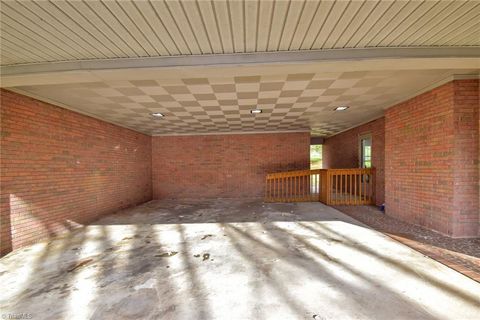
183	97
142	98
107	92
343	83
194	81
247	79
223	88
144	83
200	89
247	87
226	96
205	96
313	92
300	76
250	102
267	100
271	86
130	91
333	92
208	102
189	103
287	99
269	94
296	85
162	97
319	84
291	93
176	89
306	99
228	102
153	90
120	99
247	95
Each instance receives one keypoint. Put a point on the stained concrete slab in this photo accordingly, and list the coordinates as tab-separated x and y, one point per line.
231	259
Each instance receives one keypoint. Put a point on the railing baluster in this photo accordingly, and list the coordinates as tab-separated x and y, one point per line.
355	189
350	198
330	186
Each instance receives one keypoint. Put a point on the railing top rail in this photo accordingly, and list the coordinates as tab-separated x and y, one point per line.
351	170
294	173
317	171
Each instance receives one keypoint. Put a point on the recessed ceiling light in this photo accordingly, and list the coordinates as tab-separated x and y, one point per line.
341	108
255	111
157	115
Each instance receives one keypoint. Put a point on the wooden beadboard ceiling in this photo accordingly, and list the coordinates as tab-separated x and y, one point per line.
49	31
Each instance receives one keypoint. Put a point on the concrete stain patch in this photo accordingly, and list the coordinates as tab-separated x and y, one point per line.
166	254
79	264
149	284
138	305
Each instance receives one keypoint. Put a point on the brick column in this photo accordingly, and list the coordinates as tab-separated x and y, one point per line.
431	159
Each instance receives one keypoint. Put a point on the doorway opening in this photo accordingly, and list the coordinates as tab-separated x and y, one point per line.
315	156
365	151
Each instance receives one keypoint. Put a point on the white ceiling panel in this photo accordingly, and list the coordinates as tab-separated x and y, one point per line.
215	104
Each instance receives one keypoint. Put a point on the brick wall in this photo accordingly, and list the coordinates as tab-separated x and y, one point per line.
431	159
224	165
60	169
342	151
466	158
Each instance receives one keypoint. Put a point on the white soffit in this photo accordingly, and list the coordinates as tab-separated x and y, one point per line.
59	30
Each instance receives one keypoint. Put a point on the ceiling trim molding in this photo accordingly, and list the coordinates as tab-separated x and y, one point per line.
244	58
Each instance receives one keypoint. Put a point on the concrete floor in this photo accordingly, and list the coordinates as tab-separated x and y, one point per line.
231	260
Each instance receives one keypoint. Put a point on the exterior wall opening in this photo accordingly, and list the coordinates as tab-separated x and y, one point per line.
365	151
316	156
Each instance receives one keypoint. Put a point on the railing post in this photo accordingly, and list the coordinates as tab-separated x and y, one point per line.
374	193
329	186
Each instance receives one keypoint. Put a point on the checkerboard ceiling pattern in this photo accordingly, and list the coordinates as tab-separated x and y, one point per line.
290	102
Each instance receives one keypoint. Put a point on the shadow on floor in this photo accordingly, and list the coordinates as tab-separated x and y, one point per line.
236	259
376	219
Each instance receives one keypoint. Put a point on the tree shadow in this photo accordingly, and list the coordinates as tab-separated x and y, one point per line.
316	266
129	266
398	265
375	218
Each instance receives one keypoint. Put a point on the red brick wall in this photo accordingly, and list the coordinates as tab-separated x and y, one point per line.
431	159
466	158
224	165
60	169
342	151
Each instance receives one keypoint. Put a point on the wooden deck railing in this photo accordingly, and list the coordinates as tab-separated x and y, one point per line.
330	186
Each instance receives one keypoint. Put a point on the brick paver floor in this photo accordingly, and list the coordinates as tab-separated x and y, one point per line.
462	255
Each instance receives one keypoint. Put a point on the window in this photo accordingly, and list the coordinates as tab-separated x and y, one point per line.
366	151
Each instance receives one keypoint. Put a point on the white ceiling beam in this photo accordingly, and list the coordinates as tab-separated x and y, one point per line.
338	60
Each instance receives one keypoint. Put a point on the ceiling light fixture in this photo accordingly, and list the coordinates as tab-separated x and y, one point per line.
158	115
255	111
341	108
